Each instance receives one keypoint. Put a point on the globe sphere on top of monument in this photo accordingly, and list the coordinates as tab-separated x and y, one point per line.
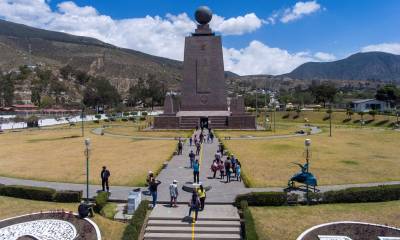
203	15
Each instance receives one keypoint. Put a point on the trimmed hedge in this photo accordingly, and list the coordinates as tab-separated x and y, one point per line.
363	194
263	198
132	231
68	196
250	232
101	200
28	192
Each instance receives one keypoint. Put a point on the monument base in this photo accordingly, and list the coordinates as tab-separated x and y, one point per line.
213	119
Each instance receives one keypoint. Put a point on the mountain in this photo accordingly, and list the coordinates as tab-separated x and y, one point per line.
378	66
55	49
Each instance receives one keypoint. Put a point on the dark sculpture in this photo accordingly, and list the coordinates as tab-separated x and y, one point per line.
203	15
303	177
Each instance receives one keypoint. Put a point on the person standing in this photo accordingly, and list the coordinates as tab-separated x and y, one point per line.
190	141
228	172
180	147
196	171
173	191
221	169
191	158
214	167
211	137
238	175
194	205
153	190
202	195
105	174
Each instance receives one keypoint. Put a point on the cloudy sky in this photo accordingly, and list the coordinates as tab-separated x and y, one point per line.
259	36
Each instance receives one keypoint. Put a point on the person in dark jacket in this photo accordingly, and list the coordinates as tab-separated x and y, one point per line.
153	190
105	174
194	205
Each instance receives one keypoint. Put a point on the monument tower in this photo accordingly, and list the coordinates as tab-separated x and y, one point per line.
203	101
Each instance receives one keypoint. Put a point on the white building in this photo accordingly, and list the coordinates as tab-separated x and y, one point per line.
365	105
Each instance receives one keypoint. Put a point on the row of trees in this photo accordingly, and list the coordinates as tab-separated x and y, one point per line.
7	87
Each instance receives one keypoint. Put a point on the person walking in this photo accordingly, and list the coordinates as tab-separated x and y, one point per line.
221	168
194	205
190	141
173	191
191	158
214	167
153	190
198	148
221	149
180	147
211	134
196	171
105	174
202	195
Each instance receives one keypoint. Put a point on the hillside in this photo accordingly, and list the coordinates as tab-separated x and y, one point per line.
377	66
54	50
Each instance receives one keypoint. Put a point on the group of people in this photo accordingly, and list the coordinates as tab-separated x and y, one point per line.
229	168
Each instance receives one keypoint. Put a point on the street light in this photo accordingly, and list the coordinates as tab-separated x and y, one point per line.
87	151
307	144
82	114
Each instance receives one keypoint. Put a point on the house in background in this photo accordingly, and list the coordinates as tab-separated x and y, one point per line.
365	105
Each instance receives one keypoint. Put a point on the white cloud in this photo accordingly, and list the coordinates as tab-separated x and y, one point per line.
322	56
383	47
299	10
236	26
161	36
258	58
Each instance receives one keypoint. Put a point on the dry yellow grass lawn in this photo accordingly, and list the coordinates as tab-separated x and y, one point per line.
133	131
52	155
290	222
281	129
352	155
11	207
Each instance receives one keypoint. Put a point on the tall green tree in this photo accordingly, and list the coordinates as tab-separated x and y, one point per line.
388	93
7	87
324	93
100	92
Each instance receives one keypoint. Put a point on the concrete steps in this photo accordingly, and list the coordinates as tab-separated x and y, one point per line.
215	222
188	236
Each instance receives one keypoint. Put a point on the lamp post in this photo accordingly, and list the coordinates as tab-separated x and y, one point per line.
82	114
307	144
330	120
87	151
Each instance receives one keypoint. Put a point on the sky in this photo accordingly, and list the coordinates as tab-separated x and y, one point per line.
258	36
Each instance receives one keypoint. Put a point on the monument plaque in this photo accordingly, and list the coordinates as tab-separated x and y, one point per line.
204	95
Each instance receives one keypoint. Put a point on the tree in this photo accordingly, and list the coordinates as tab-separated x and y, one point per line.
100	92
324	93
349	113
388	93
149	91
362	116
7	87
46	102
373	113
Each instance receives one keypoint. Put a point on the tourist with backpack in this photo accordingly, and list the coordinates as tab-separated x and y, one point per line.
173	191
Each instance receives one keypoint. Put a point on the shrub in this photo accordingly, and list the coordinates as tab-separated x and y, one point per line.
106	120
101	200
249	230
124	119
28	192
363	194
134	113
286	116
97	116
132	119
144	113
113	119
109	210
125	114
263	198
68	196
326	118
142	118
96	121
132	231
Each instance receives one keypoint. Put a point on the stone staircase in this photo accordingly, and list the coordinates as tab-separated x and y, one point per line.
217	122
215	222
189	122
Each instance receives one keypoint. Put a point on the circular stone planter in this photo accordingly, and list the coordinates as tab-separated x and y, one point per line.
190	187
50	226
349	230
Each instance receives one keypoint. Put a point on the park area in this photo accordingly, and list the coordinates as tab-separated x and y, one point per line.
57	154
351	155
275	222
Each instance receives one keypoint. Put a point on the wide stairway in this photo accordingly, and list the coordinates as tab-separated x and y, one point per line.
189	122
215	222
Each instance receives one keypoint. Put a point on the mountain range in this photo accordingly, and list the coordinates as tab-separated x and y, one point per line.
124	66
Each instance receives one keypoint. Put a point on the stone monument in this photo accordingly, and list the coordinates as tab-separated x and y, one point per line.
203	101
